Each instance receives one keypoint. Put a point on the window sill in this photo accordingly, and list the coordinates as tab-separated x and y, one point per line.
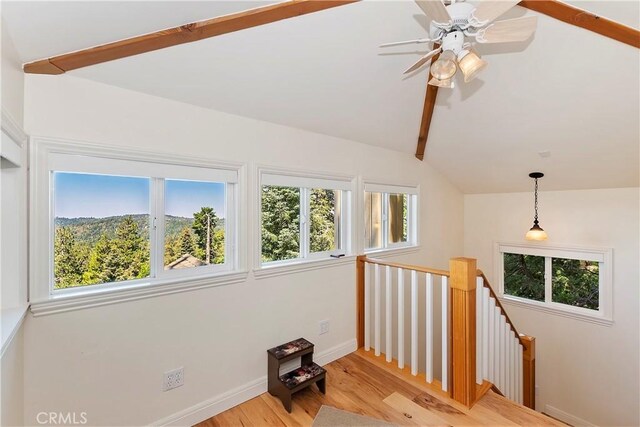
11	319
300	266
94	298
542	307
391	252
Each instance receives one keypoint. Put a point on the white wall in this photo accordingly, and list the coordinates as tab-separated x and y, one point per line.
108	361
586	370
13	240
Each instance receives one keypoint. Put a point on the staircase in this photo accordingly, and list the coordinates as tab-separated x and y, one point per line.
449	326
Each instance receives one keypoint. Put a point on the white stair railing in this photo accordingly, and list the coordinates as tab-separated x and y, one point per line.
378	317
499	350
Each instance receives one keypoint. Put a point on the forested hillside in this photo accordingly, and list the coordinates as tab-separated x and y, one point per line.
102	250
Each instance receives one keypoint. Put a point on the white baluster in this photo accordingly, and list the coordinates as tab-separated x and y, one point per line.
367	307
376	308
496	347
414	322
509	366
485	333
503	354
400	318
429	328
514	372
445	333
479	322
492	339
388	312
520	375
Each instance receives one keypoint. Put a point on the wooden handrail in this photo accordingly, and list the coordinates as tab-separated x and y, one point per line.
404	266
495	296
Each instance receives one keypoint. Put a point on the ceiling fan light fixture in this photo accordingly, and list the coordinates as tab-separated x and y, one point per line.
446	83
470	64
445	67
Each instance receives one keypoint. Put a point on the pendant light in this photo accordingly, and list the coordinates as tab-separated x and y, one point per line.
536	232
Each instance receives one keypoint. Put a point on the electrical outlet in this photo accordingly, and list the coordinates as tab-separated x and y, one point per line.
324	327
173	379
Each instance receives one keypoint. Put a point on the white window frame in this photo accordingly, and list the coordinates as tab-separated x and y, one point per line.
305	181
604	257
413	202
64	156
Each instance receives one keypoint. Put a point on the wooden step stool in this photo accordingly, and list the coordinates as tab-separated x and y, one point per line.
283	386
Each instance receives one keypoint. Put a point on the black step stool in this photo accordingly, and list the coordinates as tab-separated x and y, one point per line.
283	386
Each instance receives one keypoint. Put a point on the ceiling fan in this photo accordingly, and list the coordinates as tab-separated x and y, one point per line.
452	29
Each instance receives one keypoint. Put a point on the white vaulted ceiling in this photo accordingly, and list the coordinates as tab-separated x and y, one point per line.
567	91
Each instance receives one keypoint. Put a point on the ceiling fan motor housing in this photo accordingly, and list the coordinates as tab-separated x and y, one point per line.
452	34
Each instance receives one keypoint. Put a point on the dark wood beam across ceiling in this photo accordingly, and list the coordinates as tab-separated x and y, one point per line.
179	35
581	18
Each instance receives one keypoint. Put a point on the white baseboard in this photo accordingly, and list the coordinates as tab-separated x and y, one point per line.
566	417
231	398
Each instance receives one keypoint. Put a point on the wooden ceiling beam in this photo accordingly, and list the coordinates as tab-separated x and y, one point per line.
584	19
180	35
427	112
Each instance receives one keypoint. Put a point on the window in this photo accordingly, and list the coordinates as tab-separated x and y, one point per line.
390	215
116	223
303	218
574	280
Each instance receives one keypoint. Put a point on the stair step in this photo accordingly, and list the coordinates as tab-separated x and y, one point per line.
302	375
291	349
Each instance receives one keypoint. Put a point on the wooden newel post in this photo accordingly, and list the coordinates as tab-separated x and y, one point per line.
463	329
529	371
360	300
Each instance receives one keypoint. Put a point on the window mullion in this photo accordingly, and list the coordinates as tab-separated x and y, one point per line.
385	220
547	280
305	209
156	226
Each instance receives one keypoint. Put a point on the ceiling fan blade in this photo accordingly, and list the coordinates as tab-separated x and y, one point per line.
416	41
435	10
422	61
488	10
510	30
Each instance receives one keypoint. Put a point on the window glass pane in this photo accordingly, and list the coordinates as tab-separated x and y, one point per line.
524	276
101	229
194	224
280	223
373	220
398	218
576	282
324	229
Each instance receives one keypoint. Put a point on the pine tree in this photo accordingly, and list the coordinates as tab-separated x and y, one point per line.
322	232
204	224
67	262
186	242
98	270
280	223
129	257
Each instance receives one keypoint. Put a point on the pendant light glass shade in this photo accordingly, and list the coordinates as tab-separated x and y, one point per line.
470	64
445	67
448	83
536	232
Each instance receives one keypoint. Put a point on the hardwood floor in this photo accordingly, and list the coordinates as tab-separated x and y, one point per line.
360	383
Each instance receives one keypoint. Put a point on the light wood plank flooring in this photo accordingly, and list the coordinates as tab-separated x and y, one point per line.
366	385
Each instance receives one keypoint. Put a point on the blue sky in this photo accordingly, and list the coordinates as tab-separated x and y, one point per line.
99	196
183	198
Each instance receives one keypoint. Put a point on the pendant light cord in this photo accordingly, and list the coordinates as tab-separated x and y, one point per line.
535	217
